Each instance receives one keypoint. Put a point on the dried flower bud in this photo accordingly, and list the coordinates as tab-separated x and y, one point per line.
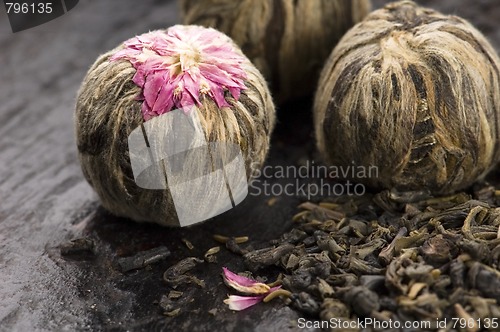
288	40
195	69
415	93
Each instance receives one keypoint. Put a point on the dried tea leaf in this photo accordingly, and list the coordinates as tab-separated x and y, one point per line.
188	244
78	247
176	274
268	256
362	300
438	250
363	250
485	279
143	259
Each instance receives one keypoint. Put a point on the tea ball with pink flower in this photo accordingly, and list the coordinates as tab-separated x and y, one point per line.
190	69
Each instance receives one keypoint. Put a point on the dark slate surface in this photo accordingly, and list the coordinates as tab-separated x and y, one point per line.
44	200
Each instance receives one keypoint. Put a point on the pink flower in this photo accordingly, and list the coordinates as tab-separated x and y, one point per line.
176	66
245	285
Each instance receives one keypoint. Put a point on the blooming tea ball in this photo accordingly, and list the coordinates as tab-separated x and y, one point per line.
288	40
415	93
182	69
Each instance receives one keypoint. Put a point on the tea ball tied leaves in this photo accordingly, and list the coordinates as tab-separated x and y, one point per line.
415	93
188	68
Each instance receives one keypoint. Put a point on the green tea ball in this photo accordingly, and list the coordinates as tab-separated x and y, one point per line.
288	40
415	93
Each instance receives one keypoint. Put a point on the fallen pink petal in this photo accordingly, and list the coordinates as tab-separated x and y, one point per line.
244	284
176	67
239	303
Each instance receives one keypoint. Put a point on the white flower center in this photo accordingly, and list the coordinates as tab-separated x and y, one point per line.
187	59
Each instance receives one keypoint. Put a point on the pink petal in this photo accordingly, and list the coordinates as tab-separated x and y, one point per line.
217	94
192	87
239	303
154	63
216	75
140	77
125	53
235	92
170	77
152	87
232	69
164	100
185	100
243	284
207	36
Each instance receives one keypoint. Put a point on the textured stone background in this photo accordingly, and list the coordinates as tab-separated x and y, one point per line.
44	200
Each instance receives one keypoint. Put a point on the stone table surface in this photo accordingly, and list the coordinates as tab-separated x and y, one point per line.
45	201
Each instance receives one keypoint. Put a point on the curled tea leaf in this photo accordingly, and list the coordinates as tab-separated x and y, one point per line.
267	256
176	274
